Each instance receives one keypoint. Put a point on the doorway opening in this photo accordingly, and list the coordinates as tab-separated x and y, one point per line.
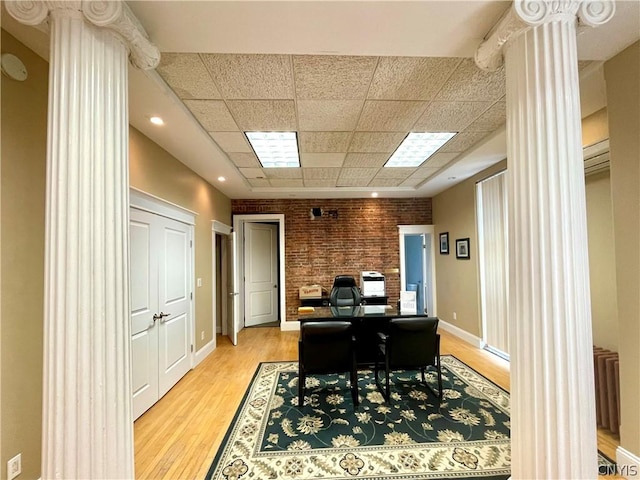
260	254
417	268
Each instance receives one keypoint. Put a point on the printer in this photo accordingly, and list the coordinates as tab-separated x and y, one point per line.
372	284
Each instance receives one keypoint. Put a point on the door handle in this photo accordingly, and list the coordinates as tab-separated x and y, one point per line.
275	286
233	294
160	316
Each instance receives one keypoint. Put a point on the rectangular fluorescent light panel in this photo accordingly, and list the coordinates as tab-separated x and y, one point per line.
275	149
416	148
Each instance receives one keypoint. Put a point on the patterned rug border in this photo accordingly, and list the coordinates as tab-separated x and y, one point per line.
446	359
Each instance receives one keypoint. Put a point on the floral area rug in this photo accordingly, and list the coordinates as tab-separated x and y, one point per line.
413	436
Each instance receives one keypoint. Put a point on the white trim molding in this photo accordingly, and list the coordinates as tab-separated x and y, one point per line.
627	464
150	203
462	334
290	326
221	228
204	351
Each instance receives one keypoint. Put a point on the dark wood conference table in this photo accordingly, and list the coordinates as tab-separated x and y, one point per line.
367	321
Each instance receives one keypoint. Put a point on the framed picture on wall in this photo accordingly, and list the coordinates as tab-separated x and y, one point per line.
462	248
444	243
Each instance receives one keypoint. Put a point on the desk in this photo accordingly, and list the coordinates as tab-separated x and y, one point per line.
367	321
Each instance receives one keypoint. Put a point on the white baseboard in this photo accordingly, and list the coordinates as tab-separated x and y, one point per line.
628	464
289	326
204	352
460	333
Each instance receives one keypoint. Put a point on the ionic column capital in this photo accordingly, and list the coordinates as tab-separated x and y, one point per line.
525	14
113	15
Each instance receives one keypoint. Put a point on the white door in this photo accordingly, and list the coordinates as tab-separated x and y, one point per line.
261	273
160	305
233	312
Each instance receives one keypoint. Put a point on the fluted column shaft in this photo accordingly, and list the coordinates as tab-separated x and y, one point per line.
87	428
553	405
87	420
553	426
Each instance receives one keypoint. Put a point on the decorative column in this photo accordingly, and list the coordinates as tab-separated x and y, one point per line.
87	420
553	425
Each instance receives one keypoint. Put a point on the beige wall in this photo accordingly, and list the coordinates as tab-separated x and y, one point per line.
22	201
595	128
155	171
602	258
602	261
622	75
457	280
24	143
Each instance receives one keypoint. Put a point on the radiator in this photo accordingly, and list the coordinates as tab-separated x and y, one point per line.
607	381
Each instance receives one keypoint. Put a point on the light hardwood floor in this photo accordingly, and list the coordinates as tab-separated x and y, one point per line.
179	436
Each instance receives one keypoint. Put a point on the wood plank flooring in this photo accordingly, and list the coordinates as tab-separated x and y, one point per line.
179	436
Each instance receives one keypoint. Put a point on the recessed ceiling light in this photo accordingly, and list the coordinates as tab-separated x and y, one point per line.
221	179
374	194
156	121
417	147
275	149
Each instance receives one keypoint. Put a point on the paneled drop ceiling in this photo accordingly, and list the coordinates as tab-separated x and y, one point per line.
350	112
351	77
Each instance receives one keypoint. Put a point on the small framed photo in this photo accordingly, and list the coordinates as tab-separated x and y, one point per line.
462	248
444	243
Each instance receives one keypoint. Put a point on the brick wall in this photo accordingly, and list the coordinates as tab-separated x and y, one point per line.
363	237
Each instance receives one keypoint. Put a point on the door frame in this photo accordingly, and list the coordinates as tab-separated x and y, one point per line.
222	229
238	227
419	230
147	202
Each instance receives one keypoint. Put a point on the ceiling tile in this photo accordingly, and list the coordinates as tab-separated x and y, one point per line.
332	77
439	160
423	172
286	182
244	160
353	182
376	142
315	160
320	173
264	115
324	141
462	142
449	116
469	83
411	182
359	160
259	182
385	182
358	173
491	119
213	115
187	76
251	76
231	141
388	116
252	172
328	115
410	78
395	172
283	172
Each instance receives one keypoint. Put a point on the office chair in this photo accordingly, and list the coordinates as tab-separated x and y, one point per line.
326	347
344	292
411	344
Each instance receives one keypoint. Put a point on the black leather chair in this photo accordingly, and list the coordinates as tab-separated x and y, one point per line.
410	344
326	347
344	292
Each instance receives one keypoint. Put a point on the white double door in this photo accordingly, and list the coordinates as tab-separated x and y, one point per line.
161	291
